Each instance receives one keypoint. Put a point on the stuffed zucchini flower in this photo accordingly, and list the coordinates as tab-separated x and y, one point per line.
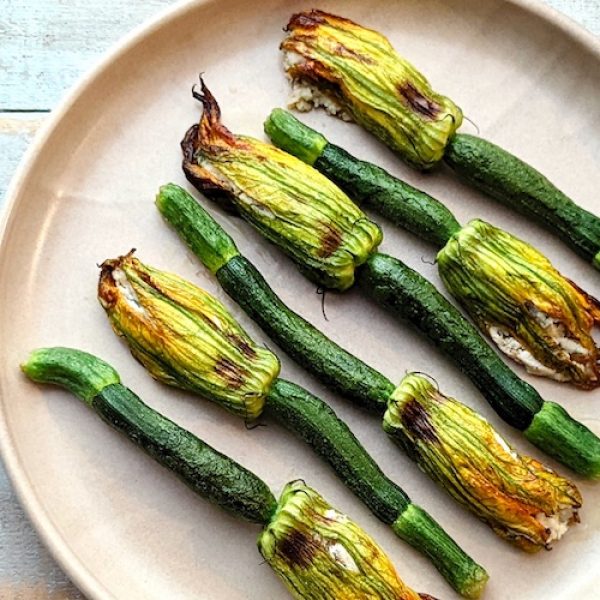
521	499
536	316
289	202
185	337
355	72
322	554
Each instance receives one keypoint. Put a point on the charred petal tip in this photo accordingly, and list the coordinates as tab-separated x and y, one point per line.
211	108
106	281
189	143
306	19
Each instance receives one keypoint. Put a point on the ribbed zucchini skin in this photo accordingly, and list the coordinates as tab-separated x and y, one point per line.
317	424
401	203
518	185
406	293
206	471
334	366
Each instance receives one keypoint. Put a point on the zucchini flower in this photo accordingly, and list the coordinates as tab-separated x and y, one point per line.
355	72
321	553
184	337
532	313
521	499
289	202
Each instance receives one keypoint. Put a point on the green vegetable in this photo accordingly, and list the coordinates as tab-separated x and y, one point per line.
186	338
481	484
325	556
513	293
206	471
405	293
295	543
327	239
518	185
364	182
463	453
362	78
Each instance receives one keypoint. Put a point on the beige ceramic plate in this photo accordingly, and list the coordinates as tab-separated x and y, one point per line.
119	524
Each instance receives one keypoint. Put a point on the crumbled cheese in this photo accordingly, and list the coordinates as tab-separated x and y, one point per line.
305	96
127	290
341	556
513	348
556	330
333	515
557	525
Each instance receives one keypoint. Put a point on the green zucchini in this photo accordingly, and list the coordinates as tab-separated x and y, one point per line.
513	399
518	185
366	183
302	524
317	424
410	296
310	348
206	471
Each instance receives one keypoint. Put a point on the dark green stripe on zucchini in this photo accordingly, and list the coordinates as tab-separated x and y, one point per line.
401	203
513	182
316	423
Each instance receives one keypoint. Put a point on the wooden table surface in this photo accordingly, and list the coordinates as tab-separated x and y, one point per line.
44	47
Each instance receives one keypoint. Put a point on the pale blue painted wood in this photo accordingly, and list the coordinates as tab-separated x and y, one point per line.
44	47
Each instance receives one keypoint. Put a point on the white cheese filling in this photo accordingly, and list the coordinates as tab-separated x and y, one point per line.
513	348
305	96
341	556
127	290
556	330
557	525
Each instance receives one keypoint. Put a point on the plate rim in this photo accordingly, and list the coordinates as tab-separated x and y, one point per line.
68	561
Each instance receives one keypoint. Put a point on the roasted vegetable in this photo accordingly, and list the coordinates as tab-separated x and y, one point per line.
324	555
328	238
355	72
169	322
413	298
309	544
481	477
521	499
534	314
513	293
